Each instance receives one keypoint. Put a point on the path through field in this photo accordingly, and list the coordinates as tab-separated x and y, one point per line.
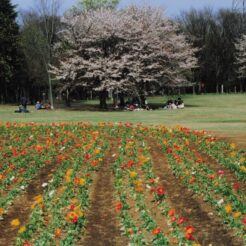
103	227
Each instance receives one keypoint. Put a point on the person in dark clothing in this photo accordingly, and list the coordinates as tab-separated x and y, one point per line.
23	102
21	110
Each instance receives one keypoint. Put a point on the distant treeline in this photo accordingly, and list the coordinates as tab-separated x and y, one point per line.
26	50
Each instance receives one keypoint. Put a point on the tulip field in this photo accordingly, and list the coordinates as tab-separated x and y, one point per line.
119	184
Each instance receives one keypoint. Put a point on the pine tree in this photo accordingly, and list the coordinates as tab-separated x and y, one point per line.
9	35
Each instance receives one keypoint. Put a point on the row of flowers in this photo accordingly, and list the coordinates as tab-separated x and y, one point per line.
228	154
226	198
58	214
147	214
137	189
22	158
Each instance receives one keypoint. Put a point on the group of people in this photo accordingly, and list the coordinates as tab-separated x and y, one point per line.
136	105
39	105
23	106
174	104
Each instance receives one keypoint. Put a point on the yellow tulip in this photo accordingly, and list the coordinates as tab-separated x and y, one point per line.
15	222
82	181
22	229
133	174
97	151
243	168
236	214
228	208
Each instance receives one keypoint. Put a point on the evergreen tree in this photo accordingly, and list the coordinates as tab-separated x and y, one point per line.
9	34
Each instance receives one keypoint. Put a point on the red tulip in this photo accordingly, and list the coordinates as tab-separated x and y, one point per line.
236	186
181	220
244	220
27	243
156	231
130	163
160	191
169	151
220	172
173	218
75	219
118	206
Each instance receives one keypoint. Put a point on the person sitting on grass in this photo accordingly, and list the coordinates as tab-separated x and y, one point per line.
170	105
21	109
38	105
180	103
47	106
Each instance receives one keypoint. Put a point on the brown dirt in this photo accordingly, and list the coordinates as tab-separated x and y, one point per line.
103	227
21	208
209	228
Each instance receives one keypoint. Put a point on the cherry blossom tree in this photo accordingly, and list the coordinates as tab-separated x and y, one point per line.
134	51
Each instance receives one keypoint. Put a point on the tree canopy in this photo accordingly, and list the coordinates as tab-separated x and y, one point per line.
136	51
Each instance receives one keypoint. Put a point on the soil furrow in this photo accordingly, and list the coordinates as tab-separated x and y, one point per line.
102	227
209	228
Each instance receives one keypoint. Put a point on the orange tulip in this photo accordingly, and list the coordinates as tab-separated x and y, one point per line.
171	212
58	232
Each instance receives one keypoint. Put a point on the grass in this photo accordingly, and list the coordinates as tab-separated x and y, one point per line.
225	113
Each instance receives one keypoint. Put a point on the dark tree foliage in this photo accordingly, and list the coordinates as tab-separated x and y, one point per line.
37	51
215	35
9	52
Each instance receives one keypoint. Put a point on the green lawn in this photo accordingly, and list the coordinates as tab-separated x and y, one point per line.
226	113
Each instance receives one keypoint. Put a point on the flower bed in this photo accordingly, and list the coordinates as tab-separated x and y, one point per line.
62	162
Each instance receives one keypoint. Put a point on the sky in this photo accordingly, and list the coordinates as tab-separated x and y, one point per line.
172	7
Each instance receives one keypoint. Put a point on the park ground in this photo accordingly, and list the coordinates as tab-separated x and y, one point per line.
222	115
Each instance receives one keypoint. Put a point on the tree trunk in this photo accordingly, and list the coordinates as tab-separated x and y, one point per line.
103	99
122	100
241	86
68	101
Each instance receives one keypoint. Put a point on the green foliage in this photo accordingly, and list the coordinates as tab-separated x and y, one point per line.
95	4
